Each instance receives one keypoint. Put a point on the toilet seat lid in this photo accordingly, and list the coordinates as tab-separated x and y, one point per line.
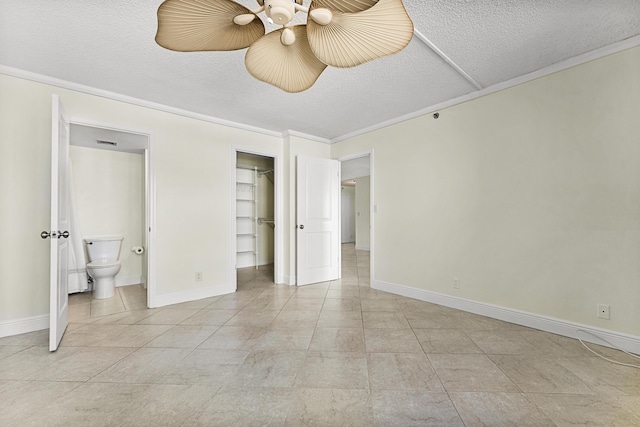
103	263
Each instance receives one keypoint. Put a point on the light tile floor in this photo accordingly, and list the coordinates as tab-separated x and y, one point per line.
337	353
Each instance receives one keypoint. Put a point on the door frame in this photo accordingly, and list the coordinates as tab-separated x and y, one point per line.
150	201
278	210
372	204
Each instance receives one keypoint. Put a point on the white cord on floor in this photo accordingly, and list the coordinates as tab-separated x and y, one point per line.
613	346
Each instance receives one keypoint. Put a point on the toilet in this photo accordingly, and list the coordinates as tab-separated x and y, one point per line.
103	254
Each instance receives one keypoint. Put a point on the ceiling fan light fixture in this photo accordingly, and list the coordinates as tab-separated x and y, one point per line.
288	37
341	33
321	16
244	19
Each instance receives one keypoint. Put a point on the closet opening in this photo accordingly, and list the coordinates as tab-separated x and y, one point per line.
255	217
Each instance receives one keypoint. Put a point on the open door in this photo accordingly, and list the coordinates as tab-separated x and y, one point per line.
59	245
318	220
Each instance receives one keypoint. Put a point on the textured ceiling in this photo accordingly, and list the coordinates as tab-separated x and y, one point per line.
109	45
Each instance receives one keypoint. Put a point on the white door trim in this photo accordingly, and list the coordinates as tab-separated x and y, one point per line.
278	210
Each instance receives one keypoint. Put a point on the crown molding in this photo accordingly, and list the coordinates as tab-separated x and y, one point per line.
291	132
64	84
554	68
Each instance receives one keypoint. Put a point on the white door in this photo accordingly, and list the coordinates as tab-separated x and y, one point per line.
59	244
318	220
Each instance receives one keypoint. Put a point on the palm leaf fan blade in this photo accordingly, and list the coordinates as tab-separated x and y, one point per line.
345	6
204	25
291	68
352	39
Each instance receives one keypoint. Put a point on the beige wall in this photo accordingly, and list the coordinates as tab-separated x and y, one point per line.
194	168
348	214
363	211
25	139
529	196
194	175
109	192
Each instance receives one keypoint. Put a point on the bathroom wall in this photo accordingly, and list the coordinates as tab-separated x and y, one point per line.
109	188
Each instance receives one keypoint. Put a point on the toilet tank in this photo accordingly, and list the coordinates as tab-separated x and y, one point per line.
104	247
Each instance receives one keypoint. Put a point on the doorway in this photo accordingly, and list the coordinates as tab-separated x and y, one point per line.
110	195
255	217
357	190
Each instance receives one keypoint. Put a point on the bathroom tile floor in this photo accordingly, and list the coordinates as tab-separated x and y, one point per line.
330	354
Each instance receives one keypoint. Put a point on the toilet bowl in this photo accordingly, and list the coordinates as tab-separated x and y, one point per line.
104	273
103	254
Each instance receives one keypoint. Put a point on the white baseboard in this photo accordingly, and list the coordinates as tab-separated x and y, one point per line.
24	325
191	295
363	248
289	280
128	280
604	337
252	264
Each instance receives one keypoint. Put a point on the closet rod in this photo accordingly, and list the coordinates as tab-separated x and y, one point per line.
251	168
270	222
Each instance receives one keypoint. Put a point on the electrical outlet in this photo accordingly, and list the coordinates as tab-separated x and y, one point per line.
603	311
456	283
198	276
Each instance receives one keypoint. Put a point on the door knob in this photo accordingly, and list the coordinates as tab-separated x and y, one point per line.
55	235
301	227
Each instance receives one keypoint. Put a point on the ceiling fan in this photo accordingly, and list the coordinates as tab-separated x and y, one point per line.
340	33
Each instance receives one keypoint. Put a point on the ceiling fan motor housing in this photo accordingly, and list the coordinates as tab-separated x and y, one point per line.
280	11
